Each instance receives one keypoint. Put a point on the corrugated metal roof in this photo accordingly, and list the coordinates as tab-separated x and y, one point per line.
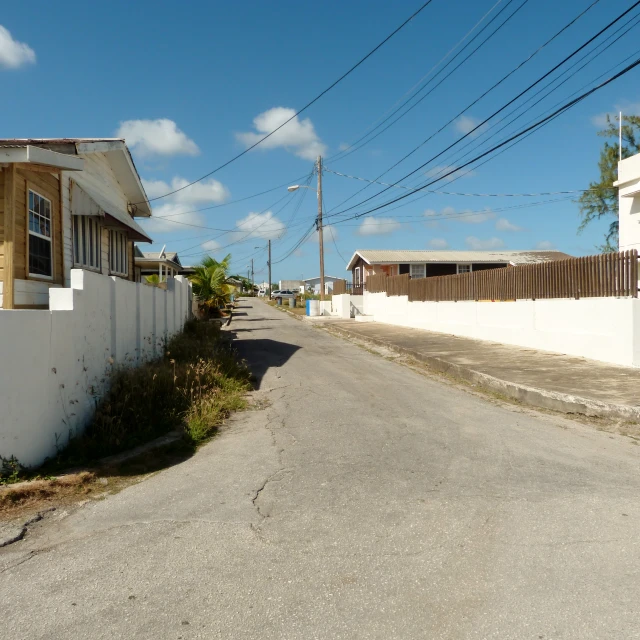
169	255
384	256
23	142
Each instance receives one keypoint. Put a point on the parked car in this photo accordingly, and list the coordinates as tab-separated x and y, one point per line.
284	293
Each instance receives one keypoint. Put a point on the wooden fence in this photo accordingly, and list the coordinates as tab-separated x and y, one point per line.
339	287
606	275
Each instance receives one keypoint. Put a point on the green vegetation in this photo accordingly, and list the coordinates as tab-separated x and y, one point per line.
211	284
197	383
602	199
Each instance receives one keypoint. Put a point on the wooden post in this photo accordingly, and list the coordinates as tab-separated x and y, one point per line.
9	235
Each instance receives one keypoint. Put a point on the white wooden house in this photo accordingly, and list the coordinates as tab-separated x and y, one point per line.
66	203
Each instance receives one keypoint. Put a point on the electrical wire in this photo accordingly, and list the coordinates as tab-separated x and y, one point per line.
458	193
495	113
515	69
347	152
536	126
303	109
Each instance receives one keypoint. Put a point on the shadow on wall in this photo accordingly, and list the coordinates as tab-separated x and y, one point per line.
263	354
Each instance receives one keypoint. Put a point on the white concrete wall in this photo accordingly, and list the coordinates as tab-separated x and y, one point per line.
56	363
606	329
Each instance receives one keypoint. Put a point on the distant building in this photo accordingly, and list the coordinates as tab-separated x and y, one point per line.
313	284
291	284
425	264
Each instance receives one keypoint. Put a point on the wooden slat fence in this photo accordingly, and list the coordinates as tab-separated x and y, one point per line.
606	275
339	287
376	284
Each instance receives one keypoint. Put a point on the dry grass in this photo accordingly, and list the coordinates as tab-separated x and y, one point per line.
191	390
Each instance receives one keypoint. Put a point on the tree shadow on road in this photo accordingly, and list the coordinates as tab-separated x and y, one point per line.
263	354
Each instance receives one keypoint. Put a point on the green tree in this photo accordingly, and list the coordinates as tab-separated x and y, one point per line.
601	201
211	283
153	279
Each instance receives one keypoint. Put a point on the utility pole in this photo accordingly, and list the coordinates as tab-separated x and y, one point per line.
251	275
320	237
269	263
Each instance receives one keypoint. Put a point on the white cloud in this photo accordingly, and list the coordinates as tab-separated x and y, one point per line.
157	138
504	225
545	245
211	245
14	54
483	245
207	192
298	136
438	243
378	226
466	216
260	225
466	124
627	108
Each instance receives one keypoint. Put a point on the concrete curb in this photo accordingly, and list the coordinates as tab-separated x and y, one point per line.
534	396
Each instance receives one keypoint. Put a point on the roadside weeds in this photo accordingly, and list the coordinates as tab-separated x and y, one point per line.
163	410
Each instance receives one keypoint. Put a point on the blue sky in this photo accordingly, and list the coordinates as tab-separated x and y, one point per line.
191	84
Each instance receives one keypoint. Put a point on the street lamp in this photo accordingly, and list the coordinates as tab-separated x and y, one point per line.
295	187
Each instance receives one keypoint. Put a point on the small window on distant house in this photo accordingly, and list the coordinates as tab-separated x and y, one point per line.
357	273
118	259
464	268
418	271
87	247
40	250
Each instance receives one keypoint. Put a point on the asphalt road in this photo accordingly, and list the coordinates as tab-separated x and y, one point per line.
365	501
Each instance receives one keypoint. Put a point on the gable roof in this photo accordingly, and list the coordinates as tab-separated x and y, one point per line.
387	256
116	152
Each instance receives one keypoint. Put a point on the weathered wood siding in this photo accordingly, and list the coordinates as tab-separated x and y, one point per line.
1	225
47	185
97	176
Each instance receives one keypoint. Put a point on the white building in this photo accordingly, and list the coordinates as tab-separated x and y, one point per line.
628	184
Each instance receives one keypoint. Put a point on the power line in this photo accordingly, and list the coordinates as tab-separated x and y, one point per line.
352	147
347	152
226	204
297	113
479	98
520	134
594	55
458	193
495	113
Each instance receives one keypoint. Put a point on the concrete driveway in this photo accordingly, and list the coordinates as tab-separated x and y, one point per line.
364	501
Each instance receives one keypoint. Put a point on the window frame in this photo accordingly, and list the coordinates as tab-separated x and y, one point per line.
39	276
417	264
466	264
358	281
115	260
79	242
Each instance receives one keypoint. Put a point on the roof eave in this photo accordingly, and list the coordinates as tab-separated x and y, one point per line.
29	154
125	170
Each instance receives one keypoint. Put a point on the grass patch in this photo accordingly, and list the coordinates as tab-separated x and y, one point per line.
197	383
192	388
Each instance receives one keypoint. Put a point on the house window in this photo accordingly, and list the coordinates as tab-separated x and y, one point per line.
418	271
464	268
87	247
40	250
357	272
118	259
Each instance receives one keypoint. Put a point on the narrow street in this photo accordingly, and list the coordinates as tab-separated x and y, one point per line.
362	500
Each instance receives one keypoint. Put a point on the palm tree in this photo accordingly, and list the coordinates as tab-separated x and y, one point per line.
211	283
153	279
